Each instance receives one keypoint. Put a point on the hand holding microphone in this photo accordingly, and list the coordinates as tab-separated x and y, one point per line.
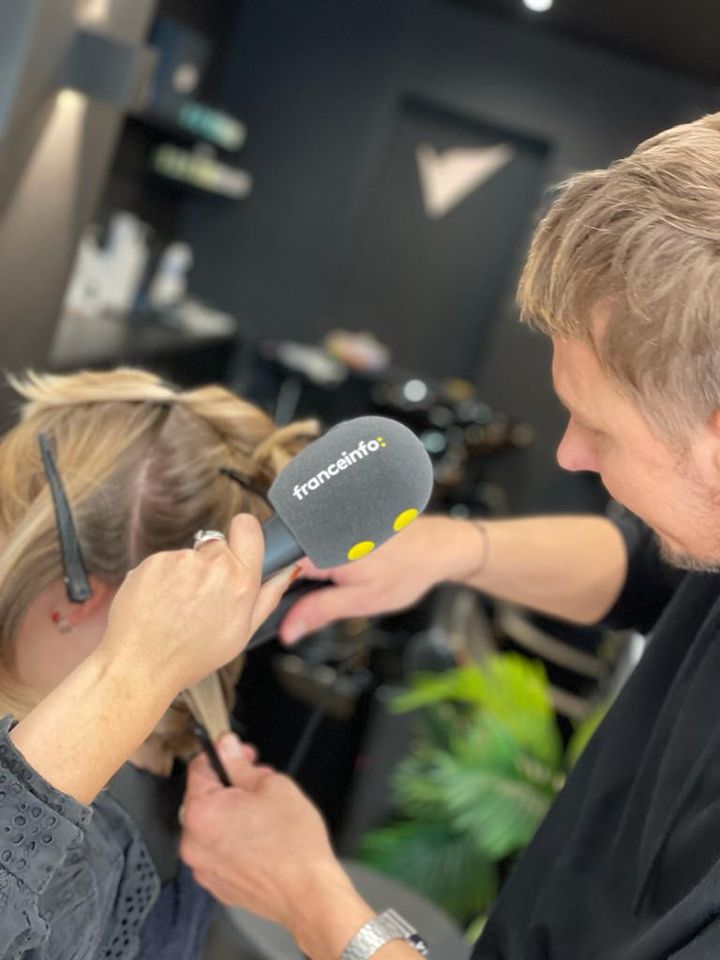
345	495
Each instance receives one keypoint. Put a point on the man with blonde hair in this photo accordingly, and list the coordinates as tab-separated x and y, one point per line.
624	276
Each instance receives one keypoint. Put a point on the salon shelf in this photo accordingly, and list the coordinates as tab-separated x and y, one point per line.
162	124
137	343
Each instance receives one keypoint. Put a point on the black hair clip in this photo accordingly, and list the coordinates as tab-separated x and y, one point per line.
248	483
75	575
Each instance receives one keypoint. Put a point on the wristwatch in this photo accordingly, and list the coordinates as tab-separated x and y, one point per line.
383	928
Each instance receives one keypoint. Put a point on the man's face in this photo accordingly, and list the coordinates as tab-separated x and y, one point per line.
676	492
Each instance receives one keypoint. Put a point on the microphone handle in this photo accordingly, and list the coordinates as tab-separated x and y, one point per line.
281	547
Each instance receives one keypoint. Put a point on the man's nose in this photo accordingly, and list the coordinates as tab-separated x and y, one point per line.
575	451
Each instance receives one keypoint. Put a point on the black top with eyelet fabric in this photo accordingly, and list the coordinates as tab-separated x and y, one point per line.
78	883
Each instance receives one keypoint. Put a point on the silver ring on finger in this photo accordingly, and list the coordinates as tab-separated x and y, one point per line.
205	536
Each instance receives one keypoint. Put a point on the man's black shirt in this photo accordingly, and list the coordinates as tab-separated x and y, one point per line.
627	863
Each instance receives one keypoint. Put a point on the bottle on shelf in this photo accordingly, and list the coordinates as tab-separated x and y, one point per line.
200	168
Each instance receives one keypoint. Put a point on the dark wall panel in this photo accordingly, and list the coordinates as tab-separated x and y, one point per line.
426	267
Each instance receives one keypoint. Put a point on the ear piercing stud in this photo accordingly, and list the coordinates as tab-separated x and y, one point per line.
63	625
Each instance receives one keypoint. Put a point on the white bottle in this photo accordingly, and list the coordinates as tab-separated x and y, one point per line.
169	285
126	259
85	294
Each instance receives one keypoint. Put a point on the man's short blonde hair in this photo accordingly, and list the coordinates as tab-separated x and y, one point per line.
643	238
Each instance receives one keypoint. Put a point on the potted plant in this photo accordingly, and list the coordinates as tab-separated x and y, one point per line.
483	771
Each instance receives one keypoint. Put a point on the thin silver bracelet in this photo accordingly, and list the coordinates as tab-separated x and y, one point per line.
481	528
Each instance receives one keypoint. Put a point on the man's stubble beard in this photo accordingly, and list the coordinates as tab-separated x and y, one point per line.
701	493
684	561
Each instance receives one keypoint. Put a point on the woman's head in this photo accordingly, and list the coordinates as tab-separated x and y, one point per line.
144	466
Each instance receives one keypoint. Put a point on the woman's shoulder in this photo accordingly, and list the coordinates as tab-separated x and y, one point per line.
71	875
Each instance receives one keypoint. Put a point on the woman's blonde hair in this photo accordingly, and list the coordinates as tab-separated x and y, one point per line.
642	237
143	465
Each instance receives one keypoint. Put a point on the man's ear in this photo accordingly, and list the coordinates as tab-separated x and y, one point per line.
714	423
713	441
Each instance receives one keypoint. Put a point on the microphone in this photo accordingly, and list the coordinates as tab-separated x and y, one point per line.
340	498
346	493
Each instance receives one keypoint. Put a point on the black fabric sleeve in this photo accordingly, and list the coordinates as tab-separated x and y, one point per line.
650	582
38	826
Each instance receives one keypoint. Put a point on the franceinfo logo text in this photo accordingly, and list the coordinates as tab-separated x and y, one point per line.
362	450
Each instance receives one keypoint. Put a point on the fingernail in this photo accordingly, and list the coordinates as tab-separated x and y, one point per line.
285	577
230	746
295	632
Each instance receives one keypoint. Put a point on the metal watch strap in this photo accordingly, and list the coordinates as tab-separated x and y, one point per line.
383	928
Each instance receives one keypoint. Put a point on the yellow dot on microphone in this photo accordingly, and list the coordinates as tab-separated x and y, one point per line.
381	441
403	519
361	549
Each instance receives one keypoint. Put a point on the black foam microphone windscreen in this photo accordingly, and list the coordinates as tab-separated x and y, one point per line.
347	493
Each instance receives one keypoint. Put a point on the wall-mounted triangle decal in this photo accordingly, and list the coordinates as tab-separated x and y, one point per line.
448	177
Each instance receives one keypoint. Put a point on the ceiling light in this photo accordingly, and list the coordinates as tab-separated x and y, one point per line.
538	6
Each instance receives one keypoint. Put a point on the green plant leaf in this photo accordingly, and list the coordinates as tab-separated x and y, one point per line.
510	687
475	928
438	725
582	735
419	790
487	742
481	788
464	684
501	813
517	692
435	862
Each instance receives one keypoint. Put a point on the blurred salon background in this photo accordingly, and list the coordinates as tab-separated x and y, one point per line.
325	205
